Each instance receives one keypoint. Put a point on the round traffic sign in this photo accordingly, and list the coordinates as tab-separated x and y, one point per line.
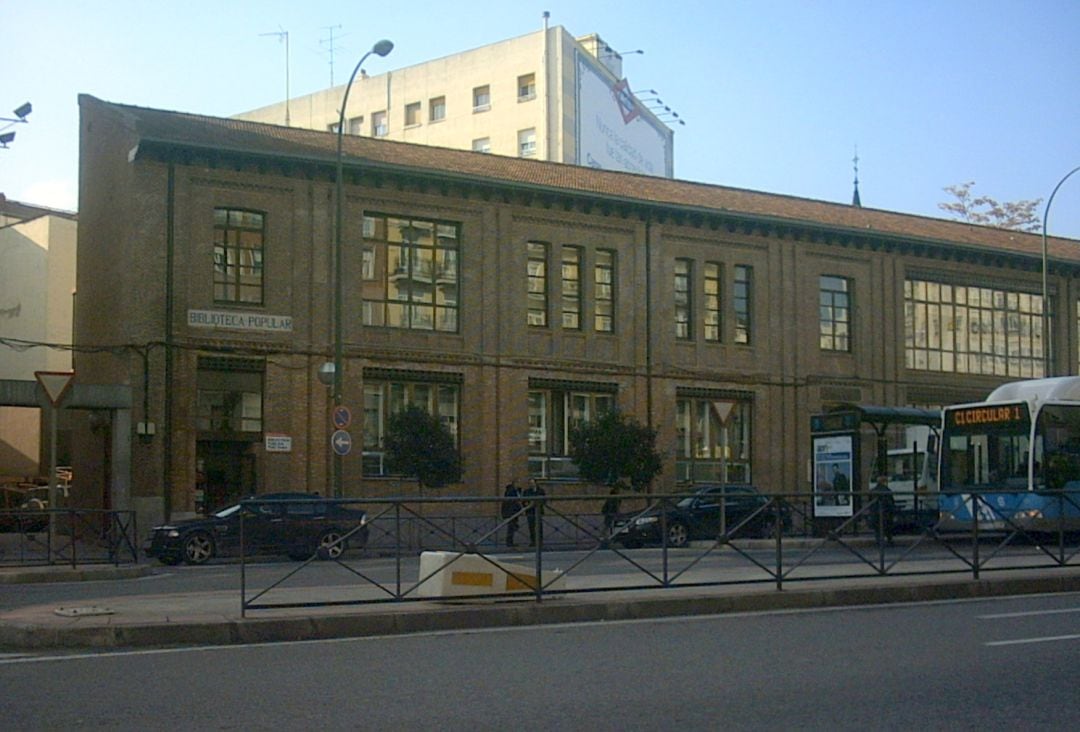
342	416
341	441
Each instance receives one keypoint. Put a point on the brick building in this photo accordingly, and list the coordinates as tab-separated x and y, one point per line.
510	297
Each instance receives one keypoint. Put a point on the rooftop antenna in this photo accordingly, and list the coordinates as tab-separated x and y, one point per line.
283	35
546	16
855	200
330	49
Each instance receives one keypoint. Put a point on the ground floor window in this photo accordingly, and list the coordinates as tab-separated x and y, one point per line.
713	437
554	409
383	398
229	395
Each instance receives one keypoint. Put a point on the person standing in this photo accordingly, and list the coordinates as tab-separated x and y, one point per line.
511	510
884	507
534	512
610	510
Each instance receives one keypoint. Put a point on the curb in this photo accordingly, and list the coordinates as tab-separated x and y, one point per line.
440	617
54	573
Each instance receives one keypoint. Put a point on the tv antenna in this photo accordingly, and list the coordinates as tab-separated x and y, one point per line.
330	48
283	35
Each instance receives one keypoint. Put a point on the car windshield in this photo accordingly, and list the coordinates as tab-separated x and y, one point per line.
227	512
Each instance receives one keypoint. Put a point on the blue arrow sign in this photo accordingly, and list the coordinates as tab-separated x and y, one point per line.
341	441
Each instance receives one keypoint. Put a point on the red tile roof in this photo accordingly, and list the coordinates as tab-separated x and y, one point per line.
255	138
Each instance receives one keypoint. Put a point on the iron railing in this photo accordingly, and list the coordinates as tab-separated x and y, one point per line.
778	542
78	536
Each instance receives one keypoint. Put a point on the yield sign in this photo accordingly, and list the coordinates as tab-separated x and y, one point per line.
723	409
55	383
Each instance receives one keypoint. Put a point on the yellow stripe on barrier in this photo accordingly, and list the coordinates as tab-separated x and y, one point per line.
526	582
474	579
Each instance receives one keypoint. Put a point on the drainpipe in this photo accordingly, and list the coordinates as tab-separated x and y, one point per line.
167	433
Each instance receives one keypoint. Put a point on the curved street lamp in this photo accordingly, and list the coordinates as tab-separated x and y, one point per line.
1047	337
381	48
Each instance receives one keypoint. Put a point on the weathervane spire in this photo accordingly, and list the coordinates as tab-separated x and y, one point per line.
855	200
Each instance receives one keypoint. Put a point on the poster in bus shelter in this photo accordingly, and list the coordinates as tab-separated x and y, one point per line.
832	475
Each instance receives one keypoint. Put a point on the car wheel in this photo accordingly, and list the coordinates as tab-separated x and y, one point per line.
329	546
677	534
198	548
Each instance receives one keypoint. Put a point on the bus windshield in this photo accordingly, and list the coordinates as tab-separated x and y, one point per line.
986	447
1058	431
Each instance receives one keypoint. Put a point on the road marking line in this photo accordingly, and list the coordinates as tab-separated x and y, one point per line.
1028	613
1022	641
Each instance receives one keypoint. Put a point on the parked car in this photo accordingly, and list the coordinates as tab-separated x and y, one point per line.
295	524
23	508
698	517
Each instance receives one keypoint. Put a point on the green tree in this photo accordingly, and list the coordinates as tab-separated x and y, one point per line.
419	445
1018	215
616	451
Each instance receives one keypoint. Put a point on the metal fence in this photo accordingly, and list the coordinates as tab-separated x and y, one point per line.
67	536
779	542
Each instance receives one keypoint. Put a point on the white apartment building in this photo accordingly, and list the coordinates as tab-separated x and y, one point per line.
543	95
37	285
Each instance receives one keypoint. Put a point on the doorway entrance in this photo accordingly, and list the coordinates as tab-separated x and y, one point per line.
226	472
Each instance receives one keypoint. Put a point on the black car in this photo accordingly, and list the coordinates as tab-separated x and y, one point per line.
698	516
295	524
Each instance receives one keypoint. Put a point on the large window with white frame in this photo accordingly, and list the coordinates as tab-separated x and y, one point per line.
604	291
571	287
389	394
239	237
713	440
834	313
555	408
684	304
537	268
411	272
966	329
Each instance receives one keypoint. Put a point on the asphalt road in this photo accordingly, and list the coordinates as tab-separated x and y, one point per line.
1000	664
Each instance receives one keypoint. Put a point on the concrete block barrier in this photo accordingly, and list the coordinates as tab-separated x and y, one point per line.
453	574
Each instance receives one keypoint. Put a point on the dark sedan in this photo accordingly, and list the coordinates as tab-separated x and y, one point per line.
698	516
298	525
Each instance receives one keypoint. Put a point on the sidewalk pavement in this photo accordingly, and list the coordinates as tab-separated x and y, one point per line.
214	618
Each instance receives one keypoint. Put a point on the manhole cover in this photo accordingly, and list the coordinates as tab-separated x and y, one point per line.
77	612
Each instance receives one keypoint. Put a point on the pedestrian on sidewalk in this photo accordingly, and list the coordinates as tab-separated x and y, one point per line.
884	508
511	511
534	512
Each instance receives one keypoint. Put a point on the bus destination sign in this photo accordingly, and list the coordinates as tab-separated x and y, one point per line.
999	415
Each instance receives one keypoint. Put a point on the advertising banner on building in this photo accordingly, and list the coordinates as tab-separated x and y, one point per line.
612	133
832	475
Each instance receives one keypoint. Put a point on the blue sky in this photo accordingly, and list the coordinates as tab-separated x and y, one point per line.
776	95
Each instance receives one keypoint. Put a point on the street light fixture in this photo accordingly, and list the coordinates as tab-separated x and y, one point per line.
21	112
381	48
1047	337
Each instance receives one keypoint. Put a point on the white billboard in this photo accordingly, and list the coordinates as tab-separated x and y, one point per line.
612	133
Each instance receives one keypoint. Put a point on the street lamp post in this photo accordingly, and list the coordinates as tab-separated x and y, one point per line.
381	48
1047	337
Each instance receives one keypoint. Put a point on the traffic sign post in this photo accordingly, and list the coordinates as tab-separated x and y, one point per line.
55	384
342	417
341	441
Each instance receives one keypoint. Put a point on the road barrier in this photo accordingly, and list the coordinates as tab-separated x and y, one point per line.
780	541
78	536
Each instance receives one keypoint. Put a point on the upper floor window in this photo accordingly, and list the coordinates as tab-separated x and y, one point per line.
378	125
437	109
414	263
412	114
973	330
538	284
481	98
526	87
711	303
238	256
527	142
229	395
482	144
571	288
684	275
355	126
741	301
835	313
604	291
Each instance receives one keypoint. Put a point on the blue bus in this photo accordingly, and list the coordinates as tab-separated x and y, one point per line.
1012	462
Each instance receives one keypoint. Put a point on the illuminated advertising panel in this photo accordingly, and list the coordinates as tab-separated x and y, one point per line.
612	134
